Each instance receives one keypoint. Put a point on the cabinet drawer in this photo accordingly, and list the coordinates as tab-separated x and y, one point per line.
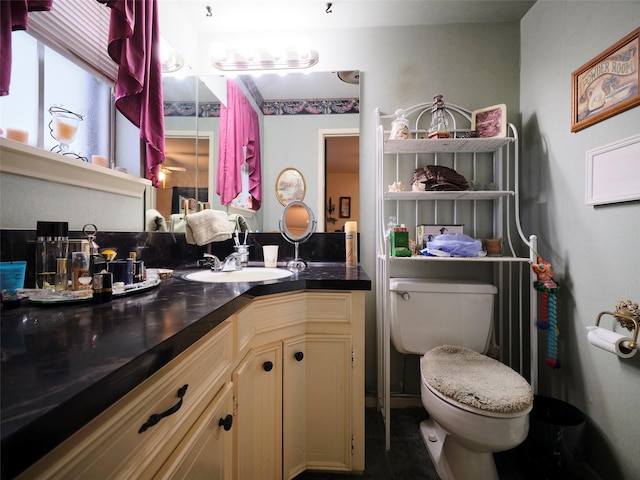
334	307
270	314
206	451
112	446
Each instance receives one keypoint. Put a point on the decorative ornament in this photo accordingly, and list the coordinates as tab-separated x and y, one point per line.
417	186
548	314
396	187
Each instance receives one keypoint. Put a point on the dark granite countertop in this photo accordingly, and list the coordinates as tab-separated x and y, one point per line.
63	365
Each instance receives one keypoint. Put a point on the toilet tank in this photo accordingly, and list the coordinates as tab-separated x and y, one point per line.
426	313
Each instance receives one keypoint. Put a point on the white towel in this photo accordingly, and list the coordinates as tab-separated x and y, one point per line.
154	221
207	226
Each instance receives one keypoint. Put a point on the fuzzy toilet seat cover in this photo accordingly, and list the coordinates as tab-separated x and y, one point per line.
476	380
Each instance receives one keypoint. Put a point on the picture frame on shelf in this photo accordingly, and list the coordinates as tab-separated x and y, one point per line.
345	207
607	84
490	122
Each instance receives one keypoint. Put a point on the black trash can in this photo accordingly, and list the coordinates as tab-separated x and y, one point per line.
554	446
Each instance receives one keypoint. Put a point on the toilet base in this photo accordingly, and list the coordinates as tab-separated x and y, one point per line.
453	461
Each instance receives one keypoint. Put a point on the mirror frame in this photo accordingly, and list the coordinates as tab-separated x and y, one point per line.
290	196
311	224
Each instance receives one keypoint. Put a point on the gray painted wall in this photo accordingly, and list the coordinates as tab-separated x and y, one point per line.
292	141
471	65
594	250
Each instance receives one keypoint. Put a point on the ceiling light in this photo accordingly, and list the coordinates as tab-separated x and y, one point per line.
349	76
264	59
169	169
170	60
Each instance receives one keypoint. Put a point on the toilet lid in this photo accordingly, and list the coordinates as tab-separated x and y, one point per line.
476	380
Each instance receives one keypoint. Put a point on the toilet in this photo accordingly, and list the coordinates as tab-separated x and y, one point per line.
476	405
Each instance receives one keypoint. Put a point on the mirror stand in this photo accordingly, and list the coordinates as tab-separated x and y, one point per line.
297	264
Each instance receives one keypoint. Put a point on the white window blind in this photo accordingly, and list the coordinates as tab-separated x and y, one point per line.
79	29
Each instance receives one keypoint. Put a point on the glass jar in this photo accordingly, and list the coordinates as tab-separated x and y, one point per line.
52	244
439	127
400	128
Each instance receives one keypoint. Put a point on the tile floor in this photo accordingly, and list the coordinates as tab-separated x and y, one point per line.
408	458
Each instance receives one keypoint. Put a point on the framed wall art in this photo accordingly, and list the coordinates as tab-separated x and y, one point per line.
345	207
290	186
613	172
490	122
607	84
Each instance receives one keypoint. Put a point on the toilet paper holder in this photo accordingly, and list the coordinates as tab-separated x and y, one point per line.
628	316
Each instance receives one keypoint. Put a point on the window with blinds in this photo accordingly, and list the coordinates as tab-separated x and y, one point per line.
62	60
79	29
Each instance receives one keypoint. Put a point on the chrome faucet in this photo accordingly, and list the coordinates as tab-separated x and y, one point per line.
231	263
210	261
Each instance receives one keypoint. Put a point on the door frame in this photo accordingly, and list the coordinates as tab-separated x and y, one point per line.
322	181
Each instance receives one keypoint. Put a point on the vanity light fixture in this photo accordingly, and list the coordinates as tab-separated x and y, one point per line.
170	60
262	58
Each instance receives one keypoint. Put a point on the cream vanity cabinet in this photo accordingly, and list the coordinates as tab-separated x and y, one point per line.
275	389
299	391
193	438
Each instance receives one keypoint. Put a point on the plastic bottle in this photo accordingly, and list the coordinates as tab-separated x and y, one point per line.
351	245
390	226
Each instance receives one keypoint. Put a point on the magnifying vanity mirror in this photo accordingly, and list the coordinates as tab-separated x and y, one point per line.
297	225
290	186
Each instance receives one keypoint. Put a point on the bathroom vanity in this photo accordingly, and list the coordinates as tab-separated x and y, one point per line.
249	380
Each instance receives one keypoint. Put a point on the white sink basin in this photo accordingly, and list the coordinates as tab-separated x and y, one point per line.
247	274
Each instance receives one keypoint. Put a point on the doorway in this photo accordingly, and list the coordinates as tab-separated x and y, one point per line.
339	197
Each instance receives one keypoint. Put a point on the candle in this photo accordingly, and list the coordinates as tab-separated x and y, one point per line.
18	135
99	160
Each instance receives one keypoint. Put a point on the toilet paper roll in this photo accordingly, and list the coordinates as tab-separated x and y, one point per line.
611	341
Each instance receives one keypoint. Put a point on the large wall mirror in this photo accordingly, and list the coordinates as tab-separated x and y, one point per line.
298	107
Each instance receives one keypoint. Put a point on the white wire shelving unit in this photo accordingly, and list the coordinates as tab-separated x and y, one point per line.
490	209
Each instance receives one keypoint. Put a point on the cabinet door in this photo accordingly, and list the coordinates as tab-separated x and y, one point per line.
206	451
317	403
258	418
294	406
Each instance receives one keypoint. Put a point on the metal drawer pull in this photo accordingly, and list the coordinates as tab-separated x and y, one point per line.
267	366
226	422
299	356
156	417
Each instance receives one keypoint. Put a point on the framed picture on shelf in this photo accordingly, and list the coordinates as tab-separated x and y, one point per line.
490	122
345	207
607	84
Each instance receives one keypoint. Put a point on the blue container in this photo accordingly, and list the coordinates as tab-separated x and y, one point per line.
12	277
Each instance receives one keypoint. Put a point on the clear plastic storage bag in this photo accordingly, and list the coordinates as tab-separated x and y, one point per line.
453	245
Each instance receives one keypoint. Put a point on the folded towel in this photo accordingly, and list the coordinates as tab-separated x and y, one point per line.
154	221
207	226
177	222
